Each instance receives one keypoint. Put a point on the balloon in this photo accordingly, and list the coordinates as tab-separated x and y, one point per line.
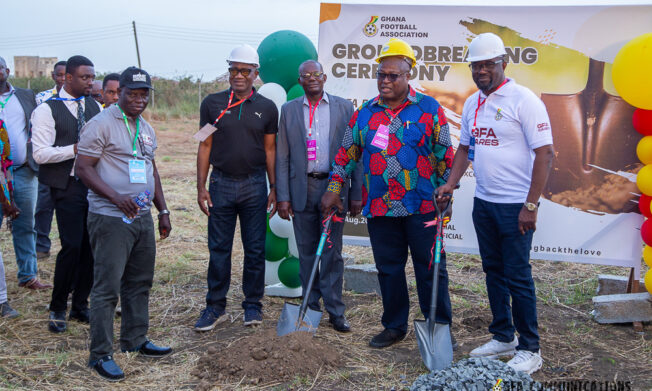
295	92
275	93
644	150
642	121
647	256
644	205
644	180
281	53
646	232
281	228
648	281
292	245
288	272
631	72
271	272
275	248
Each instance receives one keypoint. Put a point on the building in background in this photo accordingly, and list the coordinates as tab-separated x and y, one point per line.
33	66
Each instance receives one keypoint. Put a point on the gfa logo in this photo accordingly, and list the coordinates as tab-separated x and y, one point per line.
484	136
370	28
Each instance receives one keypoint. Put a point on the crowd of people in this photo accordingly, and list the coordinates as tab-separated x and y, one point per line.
84	151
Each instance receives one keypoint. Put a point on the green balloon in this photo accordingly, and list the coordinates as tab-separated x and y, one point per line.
275	248
288	272
281	53
268	229
295	92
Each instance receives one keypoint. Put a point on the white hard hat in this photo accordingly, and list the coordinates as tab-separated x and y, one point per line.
244	54
485	46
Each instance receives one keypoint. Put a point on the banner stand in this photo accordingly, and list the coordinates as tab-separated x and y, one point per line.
632	287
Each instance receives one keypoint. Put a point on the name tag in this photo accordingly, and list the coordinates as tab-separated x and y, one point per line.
381	138
137	171
204	132
311	147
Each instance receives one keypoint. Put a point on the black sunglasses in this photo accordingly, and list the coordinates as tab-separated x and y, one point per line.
391	76
244	71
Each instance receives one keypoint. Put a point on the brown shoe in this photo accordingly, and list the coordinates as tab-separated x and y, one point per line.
35	284
42	254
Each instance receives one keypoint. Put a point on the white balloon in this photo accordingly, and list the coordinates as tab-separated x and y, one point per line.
275	93
271	272
281	228
292	245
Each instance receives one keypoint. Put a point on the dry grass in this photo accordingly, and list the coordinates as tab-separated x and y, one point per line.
31	358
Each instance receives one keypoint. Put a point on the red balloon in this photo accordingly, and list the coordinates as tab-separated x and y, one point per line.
644	205
642	121
646	232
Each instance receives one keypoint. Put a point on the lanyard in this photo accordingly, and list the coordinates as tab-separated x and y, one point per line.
480	103
3	104
399	108
311	115
55	97
124	117
230	106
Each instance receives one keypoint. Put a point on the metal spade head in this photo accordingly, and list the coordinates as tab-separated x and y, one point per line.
435	345
289	321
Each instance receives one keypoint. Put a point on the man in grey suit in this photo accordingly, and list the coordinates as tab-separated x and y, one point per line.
310	133
16	106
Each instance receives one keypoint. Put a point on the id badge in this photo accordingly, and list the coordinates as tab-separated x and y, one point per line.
311	147
204	132
381	138
137	171
471	156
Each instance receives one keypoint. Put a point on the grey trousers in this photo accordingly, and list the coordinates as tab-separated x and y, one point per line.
307	231
124	264
3	283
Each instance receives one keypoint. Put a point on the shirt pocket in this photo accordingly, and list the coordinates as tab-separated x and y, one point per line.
414	134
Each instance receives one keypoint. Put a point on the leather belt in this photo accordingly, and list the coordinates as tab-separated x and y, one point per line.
318	175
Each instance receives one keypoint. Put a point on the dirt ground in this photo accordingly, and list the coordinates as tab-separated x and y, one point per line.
232	357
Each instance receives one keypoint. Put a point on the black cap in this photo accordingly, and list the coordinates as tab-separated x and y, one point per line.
134	78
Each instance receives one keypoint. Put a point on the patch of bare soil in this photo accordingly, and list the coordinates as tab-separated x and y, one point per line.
263	357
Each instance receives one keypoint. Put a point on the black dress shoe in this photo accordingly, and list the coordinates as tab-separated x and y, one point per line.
386	338
57	322
82	316
340	324
107	369
148	349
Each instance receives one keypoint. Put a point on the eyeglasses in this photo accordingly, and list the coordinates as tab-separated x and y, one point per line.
96	96
243	71
391	76
315	74
477	66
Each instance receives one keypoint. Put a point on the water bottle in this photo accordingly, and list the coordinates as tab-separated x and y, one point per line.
141	200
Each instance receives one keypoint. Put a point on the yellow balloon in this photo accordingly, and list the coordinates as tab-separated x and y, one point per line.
644	150
631	72
644	180
648	281
647	256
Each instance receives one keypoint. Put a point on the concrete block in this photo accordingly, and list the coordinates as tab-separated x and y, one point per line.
361	278
609	284
623	308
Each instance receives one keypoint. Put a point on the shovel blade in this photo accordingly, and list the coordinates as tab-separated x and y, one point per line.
289	320
436	347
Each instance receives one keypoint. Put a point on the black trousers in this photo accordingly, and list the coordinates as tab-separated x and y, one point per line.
73	271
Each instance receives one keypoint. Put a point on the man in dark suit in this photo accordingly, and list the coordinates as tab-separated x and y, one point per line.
16	106
310	132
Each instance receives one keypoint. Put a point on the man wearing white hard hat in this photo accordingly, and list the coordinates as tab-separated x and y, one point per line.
238	138
505	132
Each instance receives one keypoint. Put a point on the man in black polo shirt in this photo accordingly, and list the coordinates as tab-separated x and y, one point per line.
241	149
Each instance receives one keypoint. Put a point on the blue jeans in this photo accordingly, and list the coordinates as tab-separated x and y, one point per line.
390	239
24	235
43	218
505	256
246	198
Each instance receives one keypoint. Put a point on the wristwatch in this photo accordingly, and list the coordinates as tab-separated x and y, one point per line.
531	206
163	212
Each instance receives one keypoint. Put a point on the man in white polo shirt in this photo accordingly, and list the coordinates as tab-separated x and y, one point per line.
505	132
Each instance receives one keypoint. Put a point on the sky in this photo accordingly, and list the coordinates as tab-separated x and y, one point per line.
176	38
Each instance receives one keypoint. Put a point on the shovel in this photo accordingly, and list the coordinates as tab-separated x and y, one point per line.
294	318
434	339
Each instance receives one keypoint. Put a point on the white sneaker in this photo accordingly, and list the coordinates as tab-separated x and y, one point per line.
495	349
526	361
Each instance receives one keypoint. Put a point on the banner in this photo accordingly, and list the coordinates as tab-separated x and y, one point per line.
589	209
